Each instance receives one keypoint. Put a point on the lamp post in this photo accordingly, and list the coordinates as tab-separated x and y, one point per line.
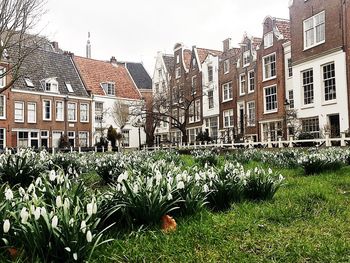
139	124
286	111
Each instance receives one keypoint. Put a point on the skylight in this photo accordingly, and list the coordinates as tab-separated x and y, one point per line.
69	87
29	83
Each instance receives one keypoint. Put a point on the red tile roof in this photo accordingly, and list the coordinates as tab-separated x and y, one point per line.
203	53
283	26
94	72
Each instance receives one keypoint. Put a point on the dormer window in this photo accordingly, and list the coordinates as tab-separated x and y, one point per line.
51	85
268	40
246	58
194	62
109	88
29	83
69	87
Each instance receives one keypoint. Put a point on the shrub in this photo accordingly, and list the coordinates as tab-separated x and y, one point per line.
260	184
204	157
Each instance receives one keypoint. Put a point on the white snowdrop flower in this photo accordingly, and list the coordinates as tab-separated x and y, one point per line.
180	185
32	209
54	222
66	203
89	209
170	197
8	194
59	201
83	226
197	177
38	181
71	222
88	236
37	213
43	211
43	189
205	188
6	226
24	215
269	171
21	191
52	175
280	178
135	189
68	249
94	208
248	173
70	170
75	256
158	175
122	177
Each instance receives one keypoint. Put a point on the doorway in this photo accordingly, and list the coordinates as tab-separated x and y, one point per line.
334	124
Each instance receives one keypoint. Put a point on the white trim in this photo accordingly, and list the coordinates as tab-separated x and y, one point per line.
33	103
43	109
49	94
76	111
87	112
249	90
240	84
63	110
14	111
263	66
314	29
264	99
4	98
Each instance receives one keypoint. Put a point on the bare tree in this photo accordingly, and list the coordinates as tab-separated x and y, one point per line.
121	114
18	18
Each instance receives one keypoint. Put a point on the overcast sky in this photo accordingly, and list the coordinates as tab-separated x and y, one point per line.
134	30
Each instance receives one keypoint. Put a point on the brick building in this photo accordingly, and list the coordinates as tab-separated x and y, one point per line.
271	79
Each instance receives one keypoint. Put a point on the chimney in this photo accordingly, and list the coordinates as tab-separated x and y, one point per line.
113	60
227	44
55	46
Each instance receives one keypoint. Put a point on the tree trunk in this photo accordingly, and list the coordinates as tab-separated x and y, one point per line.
184	136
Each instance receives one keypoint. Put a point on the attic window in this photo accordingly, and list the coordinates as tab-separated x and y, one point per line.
29	83
51	85
69	87
268	40
194	62
109	88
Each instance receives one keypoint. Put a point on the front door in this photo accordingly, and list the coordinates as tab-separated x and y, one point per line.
334	125
241	119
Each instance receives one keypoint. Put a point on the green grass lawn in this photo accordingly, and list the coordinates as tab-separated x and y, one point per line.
308	220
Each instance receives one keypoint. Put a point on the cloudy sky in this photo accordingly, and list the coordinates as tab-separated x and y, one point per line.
134	30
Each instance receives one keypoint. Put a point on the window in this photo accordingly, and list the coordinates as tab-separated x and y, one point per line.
226	66
126	138
246	58
84	112
83	139
98	111
19	111
194	63
329	82
69	87
193	84
56	137
29	83
197	110
2	138
269	66
51	85
191	113
290	68
72	111
268	40
178	73
251	83
177	59
211	99
47	110
314	30
272	130
45	138
308	86
251	113
23	140
156	88
210	73
160	73
31	107
228	118
2	77
109	88
242	83
227	91
2	107
311	125
71	138
59	111
270	99
291	99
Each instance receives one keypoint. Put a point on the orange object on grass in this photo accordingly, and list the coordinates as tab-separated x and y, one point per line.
168	224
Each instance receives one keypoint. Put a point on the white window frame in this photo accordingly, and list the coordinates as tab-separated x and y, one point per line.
69	87
87	112
28	119
193	84
333	77
197	110
242	84
3	79
56	110
108	88
51	85
3	116
250	80
251	115
246	58
226	66
3	139
268	40
227	90
270	63
211	99
313	29
191	113
21	111
50	112
75	111
178	73
29	82
210	73
265	100
311	84
290	67
87	138
228	114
